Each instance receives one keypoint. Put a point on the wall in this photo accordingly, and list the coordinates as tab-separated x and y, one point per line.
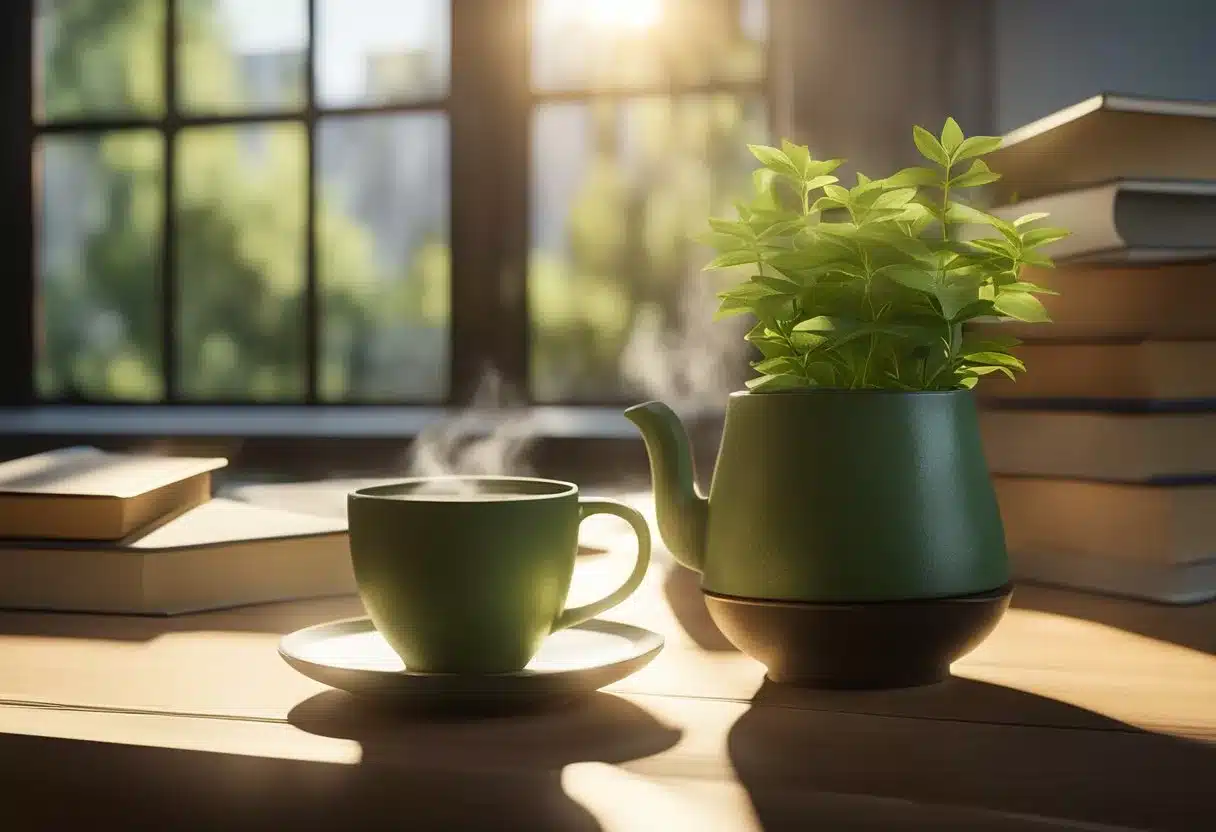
1052	53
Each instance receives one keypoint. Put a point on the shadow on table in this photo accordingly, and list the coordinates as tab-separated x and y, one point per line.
432	774
483	772
944	746
682	589
1192	626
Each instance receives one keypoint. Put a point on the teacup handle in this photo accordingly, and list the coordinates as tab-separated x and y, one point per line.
586	508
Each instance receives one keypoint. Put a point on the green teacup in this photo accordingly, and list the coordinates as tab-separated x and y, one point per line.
470	574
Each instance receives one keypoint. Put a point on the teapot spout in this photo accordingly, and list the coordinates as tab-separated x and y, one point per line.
682	512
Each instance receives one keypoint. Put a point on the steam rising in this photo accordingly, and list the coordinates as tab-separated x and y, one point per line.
692	367
490	437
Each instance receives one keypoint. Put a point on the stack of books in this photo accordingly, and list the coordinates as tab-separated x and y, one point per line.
82	530
1104	452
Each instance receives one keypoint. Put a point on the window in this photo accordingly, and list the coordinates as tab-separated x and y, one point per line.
366	201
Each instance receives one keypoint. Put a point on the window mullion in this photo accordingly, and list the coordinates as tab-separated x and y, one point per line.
489	152
312	304
168	251
18	313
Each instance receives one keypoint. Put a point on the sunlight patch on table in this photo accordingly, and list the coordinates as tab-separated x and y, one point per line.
1144	682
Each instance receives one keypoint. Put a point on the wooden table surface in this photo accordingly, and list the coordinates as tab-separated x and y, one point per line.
1079	712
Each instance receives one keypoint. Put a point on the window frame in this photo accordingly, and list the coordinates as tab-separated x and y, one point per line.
490	109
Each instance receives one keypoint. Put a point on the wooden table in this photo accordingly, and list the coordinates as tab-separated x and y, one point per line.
1077	713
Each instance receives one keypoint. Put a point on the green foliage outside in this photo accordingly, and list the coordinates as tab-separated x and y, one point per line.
870	286
240	235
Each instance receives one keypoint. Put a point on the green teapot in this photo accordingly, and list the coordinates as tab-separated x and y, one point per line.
833	496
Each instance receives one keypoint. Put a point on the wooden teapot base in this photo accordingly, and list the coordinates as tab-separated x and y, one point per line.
882	644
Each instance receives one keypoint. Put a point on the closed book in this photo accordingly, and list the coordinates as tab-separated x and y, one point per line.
1138	375
1153	524
83	493
1188	583
1108	136
1093	445
1127	221
223	553
1105	303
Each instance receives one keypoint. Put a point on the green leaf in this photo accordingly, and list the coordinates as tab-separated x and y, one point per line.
967	382
913	177
768	383
961	212
778	365
1000	359
987	369
910	276
977	146
776	284
980	308
820	181
837	193
1021	306
782	228
979	174
798	155
825	323
732	306
896	198
775	160
818	167
954	299
952	136
929	146
827	203
732	227
808	341
1042	236
986	344
1036	258
1023	286
771	347
732	258
994	245
1029	218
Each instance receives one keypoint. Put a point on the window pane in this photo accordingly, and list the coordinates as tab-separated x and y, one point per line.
383	257
99	224
241	55
620	189
98	59
382	51
579	44
241	262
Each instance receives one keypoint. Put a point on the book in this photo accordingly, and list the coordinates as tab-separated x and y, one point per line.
1114	447
223	553
1159	525
1127	221
1120	303
1137	375
1108	136
83	493
1189	583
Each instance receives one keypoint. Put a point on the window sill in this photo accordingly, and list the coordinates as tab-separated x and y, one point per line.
289	422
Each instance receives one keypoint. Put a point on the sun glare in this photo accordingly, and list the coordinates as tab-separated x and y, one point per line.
636	15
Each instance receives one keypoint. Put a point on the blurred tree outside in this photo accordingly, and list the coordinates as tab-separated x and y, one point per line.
650	170
614	252
240	247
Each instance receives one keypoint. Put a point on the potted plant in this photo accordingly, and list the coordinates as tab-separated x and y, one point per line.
851	535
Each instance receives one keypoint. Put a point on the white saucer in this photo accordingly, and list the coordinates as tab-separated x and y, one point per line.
350	655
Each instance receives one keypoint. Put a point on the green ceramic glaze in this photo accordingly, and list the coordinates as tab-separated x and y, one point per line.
474	584
833	496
